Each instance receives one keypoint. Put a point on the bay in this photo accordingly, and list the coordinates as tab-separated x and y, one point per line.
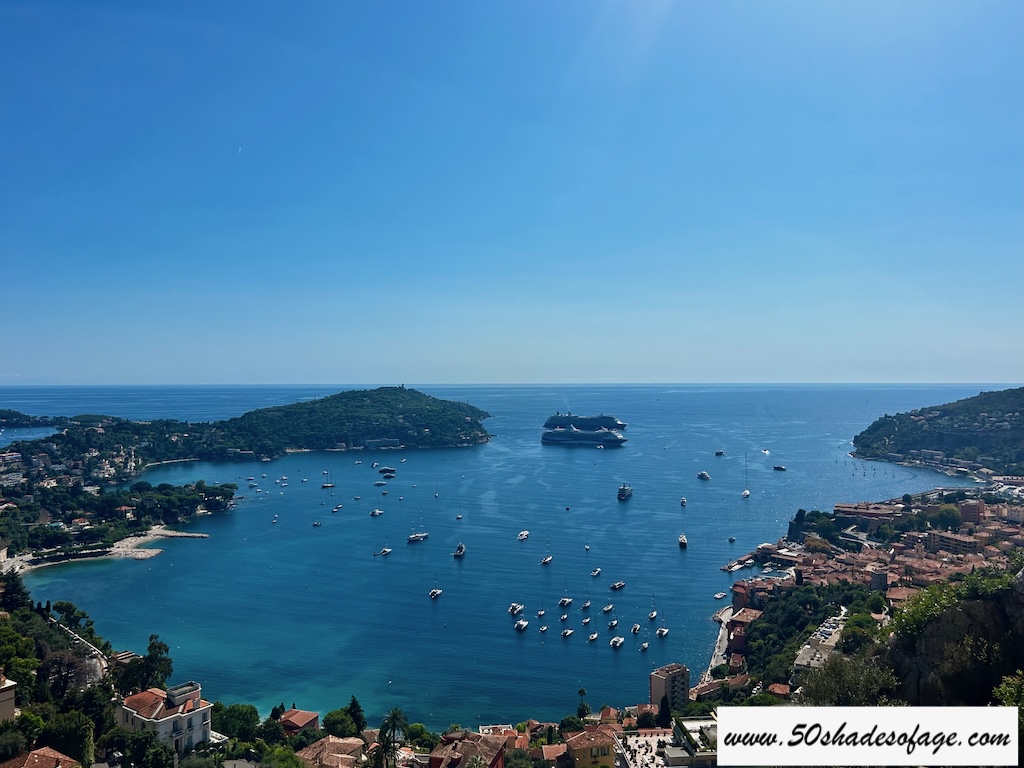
288	612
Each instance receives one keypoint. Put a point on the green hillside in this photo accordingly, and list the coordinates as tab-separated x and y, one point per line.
987	429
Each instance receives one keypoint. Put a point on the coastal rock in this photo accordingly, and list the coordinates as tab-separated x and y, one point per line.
965	652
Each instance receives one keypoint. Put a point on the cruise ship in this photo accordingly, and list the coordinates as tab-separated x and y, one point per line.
583	422
571	435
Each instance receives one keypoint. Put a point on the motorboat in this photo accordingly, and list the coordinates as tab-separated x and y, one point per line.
459	550
564	617
541	612
732	539
316	524
779	468
596	572
661	631
419	536
682	501
566	632
547	559
625	491
702	475
435	592
644	645
719	452
618	585
585	606
586	620
719	595
682	541
608	608
593	637
522	624
613	624
544	628
385	552
515	609
376	512
523	535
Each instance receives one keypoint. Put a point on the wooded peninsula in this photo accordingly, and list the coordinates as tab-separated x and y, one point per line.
981	432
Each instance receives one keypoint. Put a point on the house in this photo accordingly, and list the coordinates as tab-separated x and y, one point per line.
8	689
44	757
458	747
592	748
334	752
179	716
295	720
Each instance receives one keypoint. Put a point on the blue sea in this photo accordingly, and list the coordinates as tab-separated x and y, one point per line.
289	612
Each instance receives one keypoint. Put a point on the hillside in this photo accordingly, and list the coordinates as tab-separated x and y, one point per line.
987	429
117	449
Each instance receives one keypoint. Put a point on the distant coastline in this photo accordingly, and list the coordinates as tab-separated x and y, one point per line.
133	547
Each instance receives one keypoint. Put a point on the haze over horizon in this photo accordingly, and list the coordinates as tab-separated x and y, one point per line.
506	193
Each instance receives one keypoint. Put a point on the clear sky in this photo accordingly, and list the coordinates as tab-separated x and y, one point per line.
511	192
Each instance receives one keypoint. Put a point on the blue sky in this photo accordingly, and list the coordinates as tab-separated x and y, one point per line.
511	192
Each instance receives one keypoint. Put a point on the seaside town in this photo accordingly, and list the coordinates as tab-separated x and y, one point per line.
859	543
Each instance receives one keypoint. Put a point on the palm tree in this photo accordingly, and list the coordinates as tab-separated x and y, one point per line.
394	725
392	730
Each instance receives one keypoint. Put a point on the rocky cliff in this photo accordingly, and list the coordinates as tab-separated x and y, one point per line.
961	655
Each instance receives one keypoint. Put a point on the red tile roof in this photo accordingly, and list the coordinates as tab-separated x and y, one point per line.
153	704
44	757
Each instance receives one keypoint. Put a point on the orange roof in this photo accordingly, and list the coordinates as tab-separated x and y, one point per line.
44	757
298	718
588	739
552	751
153	704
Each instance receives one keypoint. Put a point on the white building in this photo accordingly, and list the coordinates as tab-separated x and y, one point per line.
179	716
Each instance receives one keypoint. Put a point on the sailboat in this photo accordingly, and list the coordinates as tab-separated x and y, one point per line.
746	493
330	481
435	592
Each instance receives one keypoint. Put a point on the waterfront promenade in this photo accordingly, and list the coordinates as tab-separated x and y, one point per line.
718	656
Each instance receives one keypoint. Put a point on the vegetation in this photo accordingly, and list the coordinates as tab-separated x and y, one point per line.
789	619
987	429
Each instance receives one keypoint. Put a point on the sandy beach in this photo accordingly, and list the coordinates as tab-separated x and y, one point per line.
134	547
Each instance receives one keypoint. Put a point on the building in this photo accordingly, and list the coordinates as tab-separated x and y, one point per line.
8	691
673	682
334	752
295	720
592	748
179	716
458	747
45	757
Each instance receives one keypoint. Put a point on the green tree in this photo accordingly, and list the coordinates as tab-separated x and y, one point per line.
31	725
338	722
271	731
151	670
12	741
13	594
664	713
280	757
355	711
1010	693
72	734
238	721
570	724
647	720
850	682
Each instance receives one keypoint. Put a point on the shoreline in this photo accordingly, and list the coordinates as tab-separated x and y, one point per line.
129	548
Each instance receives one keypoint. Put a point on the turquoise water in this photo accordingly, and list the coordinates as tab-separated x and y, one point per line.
288	612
